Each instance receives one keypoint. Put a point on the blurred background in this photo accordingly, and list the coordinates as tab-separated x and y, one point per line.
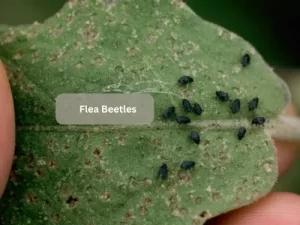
272	26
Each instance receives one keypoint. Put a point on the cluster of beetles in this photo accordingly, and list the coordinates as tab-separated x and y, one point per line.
197	109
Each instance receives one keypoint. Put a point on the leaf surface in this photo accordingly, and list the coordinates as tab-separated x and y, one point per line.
107	174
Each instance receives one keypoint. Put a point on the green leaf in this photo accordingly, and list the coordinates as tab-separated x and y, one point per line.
107	174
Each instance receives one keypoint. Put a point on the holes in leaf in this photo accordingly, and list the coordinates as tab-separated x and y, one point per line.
66	148
183	211
31	198
246	182
121	140
19	55
105	196
119	69
198	200
39	173
185	177
57	218
216	196
205	215
268	167
223	156
148	201
129	215
143	210
30	162
52	164
87	163
13	176
97	152
47	202
157	141
72	201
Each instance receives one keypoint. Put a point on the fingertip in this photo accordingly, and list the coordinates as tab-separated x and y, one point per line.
275	208
7	128
286	150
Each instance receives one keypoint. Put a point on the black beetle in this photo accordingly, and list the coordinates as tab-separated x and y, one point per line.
194	135
241	133
169	112
185	80
253	104
198	109
183	119
186	105
245	60
235	106
163	172
223	96
259	120
187	165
